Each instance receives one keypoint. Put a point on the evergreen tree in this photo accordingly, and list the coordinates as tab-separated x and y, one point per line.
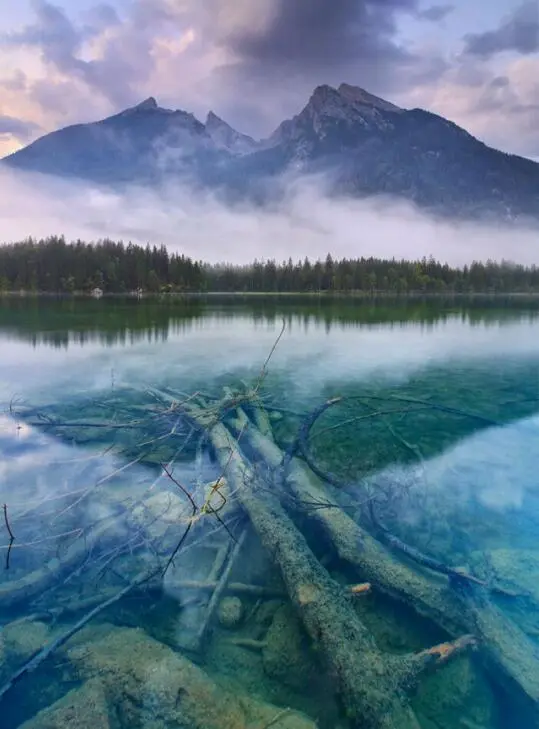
55	266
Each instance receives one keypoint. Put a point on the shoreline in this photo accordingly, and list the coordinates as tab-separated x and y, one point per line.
313	295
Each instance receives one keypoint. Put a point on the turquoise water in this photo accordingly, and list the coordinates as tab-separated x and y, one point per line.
437	430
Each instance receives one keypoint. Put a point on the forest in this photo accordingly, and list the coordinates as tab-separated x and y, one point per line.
53	265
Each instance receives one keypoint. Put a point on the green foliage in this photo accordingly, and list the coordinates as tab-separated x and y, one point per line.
53	265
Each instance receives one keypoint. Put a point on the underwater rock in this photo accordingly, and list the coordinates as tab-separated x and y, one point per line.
150	685
20	639
458	696
230	612
266	612
512	569
160	510
81	708
217	497
285	655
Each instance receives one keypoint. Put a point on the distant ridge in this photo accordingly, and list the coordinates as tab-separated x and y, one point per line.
364	144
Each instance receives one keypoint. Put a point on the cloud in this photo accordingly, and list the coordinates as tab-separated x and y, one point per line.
100	18
306	223
18	128
499	108
52	33
435	13
220	54
107	54
331	34
352	40
248	62
16	82
518	32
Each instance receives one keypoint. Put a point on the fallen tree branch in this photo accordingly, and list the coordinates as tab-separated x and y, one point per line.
508	655
301	446
221	586
11	536
44	653
237	588
372	697
456	575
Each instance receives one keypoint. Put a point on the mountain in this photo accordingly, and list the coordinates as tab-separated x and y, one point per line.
139	144
368	146
336	118
363	144
225	137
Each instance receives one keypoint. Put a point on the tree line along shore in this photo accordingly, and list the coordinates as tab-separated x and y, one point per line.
53	265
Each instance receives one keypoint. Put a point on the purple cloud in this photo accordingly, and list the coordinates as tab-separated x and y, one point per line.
518	32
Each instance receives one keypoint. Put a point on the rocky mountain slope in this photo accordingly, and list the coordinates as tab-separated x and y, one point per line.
365	145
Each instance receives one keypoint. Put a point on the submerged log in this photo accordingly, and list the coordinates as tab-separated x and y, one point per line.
455	575
508	655
373	686
26	588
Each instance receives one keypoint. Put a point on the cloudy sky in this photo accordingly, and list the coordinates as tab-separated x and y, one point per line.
255	62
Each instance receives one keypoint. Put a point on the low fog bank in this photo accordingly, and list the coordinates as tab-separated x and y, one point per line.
309	223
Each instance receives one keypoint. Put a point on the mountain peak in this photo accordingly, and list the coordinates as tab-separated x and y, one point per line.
226	137
357	95
213	120
322	94
147	104
348	100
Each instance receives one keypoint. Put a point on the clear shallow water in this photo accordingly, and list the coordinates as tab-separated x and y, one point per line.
92	509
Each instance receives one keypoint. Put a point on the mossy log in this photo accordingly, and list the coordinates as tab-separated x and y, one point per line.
508	655
373	685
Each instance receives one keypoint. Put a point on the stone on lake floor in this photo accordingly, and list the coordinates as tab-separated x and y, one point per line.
150	685
21	639
230	612
82	708
458	696
286	655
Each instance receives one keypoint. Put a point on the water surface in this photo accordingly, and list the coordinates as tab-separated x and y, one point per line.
438	427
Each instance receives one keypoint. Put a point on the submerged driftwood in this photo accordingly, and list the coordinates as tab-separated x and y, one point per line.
509	656
374	686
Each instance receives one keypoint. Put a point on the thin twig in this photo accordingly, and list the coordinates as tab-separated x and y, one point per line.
8	527
264	371
358	418
53	537
189	523
58	642
11	536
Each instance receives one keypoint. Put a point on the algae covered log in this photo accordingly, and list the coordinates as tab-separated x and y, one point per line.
373	686
508	655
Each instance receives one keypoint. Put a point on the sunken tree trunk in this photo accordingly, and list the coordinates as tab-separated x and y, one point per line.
373	686
508	655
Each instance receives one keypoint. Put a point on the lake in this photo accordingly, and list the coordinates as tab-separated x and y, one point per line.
269	512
